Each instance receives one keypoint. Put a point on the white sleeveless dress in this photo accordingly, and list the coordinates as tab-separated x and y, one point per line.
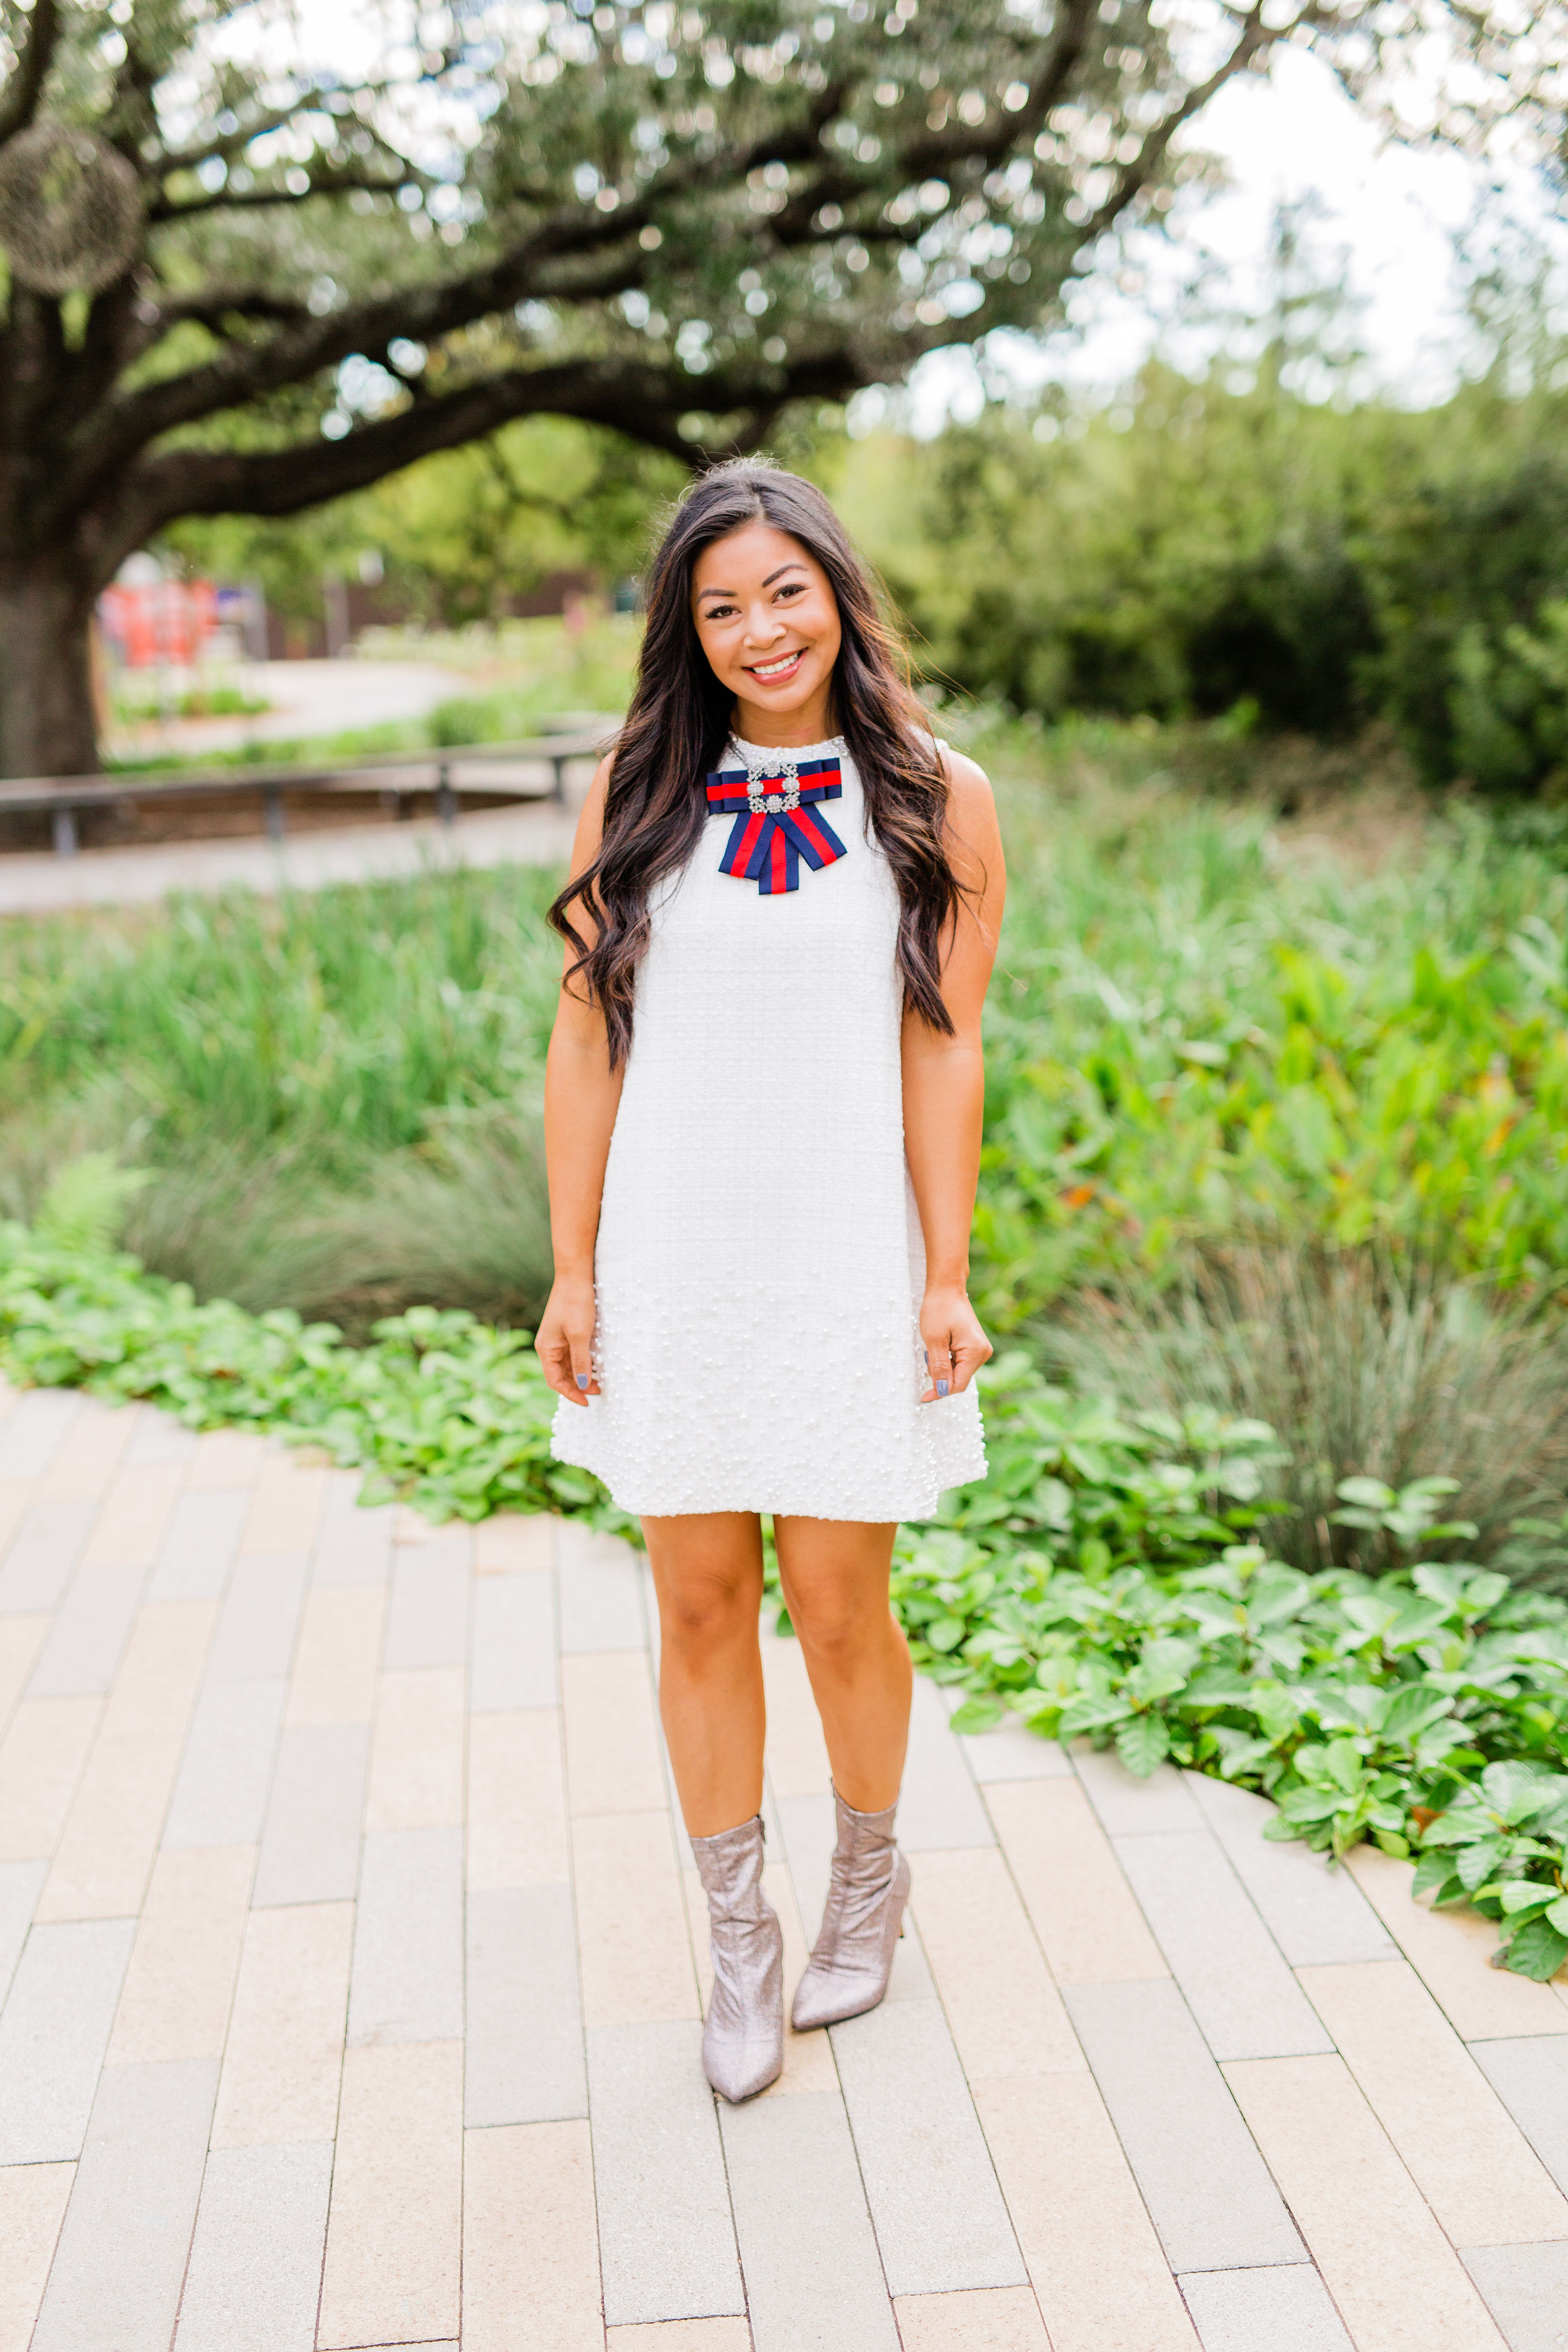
759	1266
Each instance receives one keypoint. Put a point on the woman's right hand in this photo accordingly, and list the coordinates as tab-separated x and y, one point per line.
565	1340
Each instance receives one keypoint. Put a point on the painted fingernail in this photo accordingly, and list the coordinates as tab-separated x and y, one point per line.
581	1380
942	1387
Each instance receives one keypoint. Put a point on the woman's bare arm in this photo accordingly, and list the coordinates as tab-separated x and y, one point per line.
581	1093
944	1086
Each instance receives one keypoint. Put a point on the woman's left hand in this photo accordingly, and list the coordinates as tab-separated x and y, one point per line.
955	1343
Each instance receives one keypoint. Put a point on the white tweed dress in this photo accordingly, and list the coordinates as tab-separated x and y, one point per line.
759	1265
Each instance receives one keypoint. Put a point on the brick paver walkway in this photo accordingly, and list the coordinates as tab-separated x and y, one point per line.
354	1967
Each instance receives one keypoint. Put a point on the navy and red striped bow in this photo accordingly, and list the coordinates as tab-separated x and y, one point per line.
774	826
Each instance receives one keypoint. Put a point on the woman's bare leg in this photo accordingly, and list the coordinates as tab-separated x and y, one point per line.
708	1572
835	1578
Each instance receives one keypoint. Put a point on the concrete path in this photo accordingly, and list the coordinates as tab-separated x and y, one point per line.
305	698
355	1967
39	883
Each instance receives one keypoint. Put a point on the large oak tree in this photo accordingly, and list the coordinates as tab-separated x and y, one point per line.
241	285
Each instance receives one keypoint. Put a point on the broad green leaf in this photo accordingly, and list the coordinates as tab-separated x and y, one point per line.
1143	1743
1514	1791
1538	1951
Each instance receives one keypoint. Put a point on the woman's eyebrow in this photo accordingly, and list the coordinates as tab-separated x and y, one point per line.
794	565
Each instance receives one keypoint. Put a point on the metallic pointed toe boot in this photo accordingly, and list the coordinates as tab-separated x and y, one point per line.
849	1970
742	2041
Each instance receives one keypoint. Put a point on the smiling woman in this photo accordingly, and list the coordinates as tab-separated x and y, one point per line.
762	1118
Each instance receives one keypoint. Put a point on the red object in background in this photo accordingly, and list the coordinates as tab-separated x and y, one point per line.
160	622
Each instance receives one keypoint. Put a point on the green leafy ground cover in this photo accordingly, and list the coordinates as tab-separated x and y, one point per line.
1110	1579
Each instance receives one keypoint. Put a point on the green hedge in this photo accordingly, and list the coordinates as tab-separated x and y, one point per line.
1109	1578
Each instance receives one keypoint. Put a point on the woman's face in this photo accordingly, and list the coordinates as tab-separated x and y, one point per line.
767	619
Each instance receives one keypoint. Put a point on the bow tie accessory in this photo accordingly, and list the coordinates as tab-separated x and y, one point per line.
776	805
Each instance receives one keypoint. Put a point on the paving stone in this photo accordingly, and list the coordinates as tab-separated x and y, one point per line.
524	2060
515	1543
180	1982
1083	1910
88	1637
1127	1805
91	1451
106	1849
667	2242
1470	2160
1005	2015
416	1752
513	1663
286	1504
427	1621
1312	1908
407	1978
682	2336
352	1546
53	2034
797	1762
18	1497
19	1885
283	2059
159	1437
1530	2077
36	1428
43	1552
32	2207
611	1736
337	1660
793	2183
395	2232
530	2240
939	1804
134	1516
41	1761
1096	2265
1450	1952
1010	1751
200	1545
121	2256
1203	2179
1284	2310
21	1639
517	1801
939	2218
599	1588
260	1620
1245	2001
633	1944
984	2319
256	2261
310	1842
1396	2281
220	1795
1525	2288
225	1457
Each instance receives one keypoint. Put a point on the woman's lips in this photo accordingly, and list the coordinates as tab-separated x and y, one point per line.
783	665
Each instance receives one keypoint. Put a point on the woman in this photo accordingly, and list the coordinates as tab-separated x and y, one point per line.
762	1111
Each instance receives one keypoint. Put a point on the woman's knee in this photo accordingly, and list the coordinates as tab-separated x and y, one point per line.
699	1612
837	1627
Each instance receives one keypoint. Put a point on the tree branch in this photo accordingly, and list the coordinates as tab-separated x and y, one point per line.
641	401
1253	39
323	183
19	100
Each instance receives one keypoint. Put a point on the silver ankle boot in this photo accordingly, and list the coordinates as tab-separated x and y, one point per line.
742	2041
849	1970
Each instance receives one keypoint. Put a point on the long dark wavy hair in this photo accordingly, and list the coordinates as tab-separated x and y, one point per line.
679	723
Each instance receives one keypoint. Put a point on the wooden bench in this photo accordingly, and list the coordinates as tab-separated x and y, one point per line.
502	770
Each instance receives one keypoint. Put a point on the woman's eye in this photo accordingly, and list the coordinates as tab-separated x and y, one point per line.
792	588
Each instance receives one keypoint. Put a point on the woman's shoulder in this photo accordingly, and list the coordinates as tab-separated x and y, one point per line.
968	784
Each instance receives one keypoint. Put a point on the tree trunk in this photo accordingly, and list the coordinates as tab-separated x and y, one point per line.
45	672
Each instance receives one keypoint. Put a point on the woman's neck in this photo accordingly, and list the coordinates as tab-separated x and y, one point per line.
779	730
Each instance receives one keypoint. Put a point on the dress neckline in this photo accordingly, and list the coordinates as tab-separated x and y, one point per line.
788	751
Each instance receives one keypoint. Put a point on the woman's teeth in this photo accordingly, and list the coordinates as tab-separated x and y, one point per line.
779	668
